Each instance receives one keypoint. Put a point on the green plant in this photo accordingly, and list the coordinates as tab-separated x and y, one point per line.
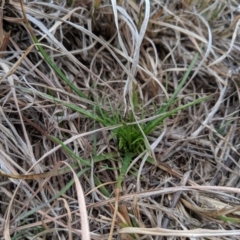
130	135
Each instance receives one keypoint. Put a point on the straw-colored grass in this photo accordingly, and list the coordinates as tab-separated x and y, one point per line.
119	120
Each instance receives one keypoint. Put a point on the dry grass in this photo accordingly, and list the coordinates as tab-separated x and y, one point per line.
183	184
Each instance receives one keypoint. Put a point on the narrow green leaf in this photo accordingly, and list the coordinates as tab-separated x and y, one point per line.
126	162
103	189
151	125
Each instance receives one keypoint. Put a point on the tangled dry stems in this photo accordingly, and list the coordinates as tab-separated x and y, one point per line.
195	179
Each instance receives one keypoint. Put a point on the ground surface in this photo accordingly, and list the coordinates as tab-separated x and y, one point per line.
119	120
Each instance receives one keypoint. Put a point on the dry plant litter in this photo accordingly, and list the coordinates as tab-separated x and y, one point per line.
119	119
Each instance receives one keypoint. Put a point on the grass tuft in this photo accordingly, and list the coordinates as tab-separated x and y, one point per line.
140	99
